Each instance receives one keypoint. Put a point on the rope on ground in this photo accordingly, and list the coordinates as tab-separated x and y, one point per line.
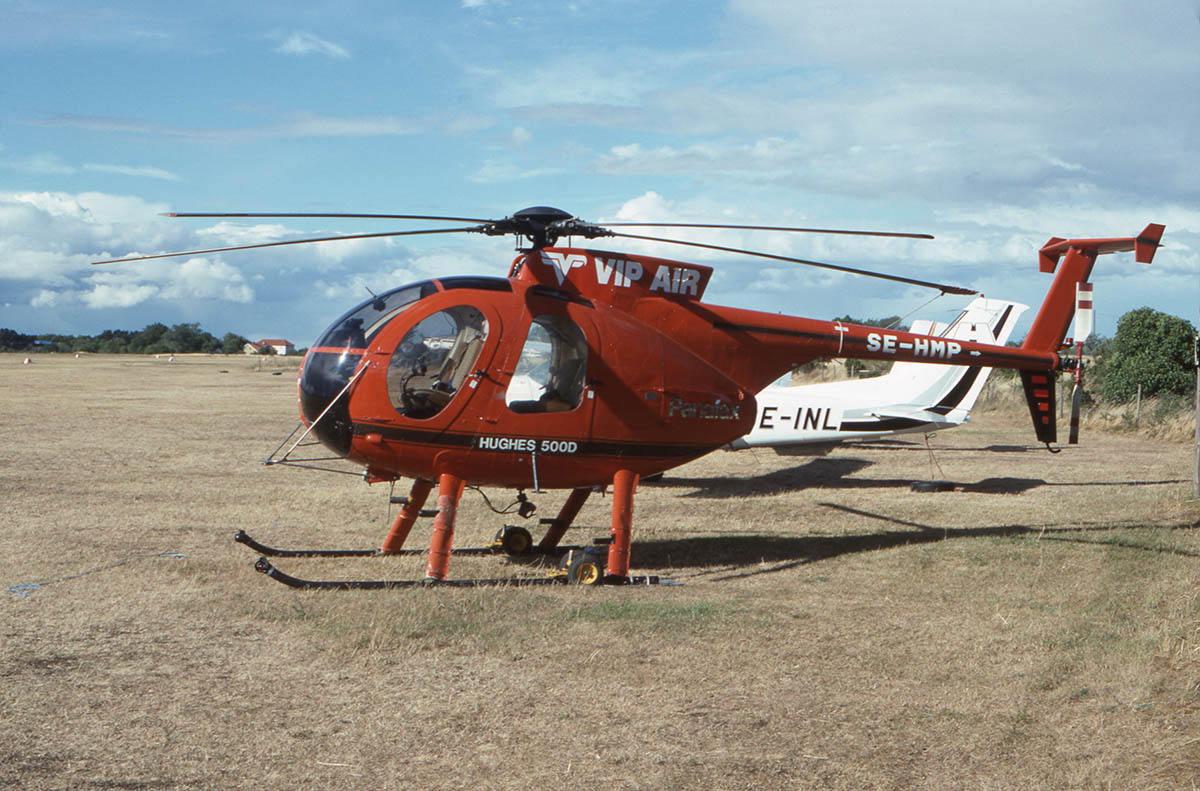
24	590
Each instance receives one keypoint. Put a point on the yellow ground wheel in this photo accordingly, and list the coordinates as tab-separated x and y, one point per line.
585	569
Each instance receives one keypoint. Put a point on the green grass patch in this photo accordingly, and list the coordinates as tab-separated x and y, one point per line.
648	615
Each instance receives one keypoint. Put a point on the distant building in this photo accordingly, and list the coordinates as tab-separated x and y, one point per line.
280	346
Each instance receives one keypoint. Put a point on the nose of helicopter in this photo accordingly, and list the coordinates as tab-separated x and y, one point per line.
323	404
332	362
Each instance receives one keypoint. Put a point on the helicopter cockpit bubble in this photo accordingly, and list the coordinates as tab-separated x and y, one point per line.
433	359
333	359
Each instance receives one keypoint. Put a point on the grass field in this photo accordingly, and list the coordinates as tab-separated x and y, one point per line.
1037	628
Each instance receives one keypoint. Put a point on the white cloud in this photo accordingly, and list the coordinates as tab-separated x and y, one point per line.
574	78
104	295
144	171
48	164
290	125
520	136
494	171
48	241
303	43
226	233
45	298
309	125
206	278
45	165
1002	39
467	123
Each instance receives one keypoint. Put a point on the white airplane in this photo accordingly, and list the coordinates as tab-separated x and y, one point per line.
911	397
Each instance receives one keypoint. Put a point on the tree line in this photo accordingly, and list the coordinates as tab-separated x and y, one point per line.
157	338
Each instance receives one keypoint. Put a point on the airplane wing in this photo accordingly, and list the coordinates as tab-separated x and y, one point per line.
911	397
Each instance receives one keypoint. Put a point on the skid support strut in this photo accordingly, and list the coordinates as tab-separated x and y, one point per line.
566	515
407	516
450	489
624	487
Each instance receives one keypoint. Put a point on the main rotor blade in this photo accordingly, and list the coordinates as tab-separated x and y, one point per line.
339	215
945	289
894	234
292	241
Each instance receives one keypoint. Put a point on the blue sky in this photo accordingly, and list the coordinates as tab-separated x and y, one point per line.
991	128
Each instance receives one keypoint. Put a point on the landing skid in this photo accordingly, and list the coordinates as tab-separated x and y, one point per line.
607	563
265	567
499	547
568	572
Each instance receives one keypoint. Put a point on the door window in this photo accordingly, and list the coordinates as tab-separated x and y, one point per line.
550	373
433	359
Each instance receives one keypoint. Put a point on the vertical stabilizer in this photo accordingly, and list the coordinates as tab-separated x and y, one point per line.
1039	394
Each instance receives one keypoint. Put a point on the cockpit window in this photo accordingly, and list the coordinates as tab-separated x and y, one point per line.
337	354
433	359
356	329
550	373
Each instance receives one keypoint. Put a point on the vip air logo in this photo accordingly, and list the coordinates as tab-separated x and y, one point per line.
563	263
668	279
623	273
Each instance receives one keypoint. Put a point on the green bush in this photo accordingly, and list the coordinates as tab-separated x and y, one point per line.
1151	349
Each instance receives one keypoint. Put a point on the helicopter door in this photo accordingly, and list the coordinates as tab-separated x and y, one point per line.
547	403
550	373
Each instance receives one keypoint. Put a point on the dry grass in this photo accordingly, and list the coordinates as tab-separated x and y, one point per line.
1037	628
1170	419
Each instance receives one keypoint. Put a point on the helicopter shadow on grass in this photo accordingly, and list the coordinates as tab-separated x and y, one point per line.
735	557
814	474
825	473
900	444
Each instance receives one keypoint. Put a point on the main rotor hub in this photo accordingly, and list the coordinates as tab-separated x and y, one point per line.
543	225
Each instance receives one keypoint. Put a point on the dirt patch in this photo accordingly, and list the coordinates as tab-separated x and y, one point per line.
1033	626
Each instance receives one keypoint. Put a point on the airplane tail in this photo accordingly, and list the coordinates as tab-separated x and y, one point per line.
912	396
1074	259
952	392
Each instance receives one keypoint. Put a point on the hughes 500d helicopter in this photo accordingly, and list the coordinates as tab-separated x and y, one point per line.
585	369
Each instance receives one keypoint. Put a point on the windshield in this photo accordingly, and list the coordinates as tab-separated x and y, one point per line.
355	329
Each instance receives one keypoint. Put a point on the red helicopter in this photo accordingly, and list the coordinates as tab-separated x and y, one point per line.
585	369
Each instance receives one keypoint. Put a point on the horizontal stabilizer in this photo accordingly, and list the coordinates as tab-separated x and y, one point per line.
1144	246
1073	260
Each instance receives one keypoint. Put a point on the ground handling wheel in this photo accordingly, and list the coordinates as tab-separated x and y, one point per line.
584	566
513	540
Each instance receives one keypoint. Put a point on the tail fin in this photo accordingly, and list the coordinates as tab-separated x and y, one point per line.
952	390
1039	394
1049	329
